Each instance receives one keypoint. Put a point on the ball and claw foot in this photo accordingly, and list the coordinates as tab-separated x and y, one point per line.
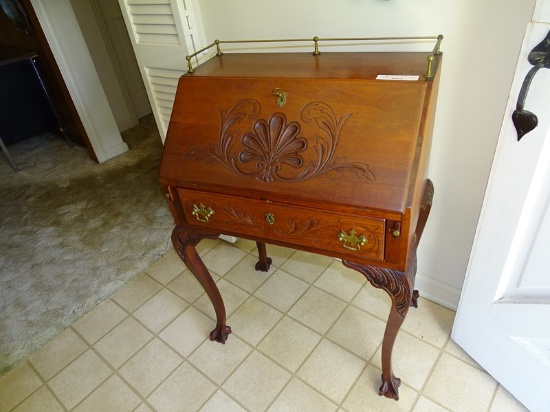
264	266
220	334
414	299
389	388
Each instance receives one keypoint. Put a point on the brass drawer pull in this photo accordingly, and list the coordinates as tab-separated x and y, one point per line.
352	241
202	213
281	100
269	218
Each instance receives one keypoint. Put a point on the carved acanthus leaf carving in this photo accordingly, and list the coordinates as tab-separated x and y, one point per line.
294	226
297	227
326	121
183	236
275	142
395	283
221	153
244	217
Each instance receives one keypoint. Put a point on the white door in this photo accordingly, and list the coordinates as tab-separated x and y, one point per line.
503	318
162	33
119	42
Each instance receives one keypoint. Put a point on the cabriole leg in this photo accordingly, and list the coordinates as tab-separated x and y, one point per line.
184	240
264	263
390	383
399	285
396	284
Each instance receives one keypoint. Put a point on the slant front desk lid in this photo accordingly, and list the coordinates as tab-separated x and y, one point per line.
297	127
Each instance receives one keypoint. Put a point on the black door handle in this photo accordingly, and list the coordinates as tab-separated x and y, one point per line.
525	121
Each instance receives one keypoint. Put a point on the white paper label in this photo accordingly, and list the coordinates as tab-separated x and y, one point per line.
396	77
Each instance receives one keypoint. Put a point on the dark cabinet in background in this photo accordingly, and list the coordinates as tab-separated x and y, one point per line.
24	108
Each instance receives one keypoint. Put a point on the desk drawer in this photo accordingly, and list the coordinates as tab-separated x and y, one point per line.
342	233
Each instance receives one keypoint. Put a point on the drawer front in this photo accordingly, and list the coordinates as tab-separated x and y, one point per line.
345	234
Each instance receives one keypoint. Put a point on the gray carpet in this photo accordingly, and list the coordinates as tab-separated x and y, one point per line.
72	232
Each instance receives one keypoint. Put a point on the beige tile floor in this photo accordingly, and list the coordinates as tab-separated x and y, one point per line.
306	337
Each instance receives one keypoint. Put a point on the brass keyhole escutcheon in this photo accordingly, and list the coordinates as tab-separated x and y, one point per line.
269	218
202	213
352	241
281	99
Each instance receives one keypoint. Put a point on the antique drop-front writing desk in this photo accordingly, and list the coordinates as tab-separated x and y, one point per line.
311	152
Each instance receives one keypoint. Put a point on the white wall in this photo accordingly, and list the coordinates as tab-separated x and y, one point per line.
481	45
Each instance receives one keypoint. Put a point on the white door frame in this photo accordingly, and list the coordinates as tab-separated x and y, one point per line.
99	18
69	49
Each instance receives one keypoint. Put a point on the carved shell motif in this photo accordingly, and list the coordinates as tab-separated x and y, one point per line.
274	142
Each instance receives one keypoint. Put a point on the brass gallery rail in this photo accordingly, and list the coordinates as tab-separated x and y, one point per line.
428	75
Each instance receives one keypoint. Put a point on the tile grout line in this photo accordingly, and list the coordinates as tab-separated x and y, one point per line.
421	392
186	358
256	347
155	335
385	320
44	385
479	367
493	397
324	336
369	361
285	314
45	382
116	370
208	315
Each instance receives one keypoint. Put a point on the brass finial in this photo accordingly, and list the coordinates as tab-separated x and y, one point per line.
316	52
429	72
218	50
189	65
